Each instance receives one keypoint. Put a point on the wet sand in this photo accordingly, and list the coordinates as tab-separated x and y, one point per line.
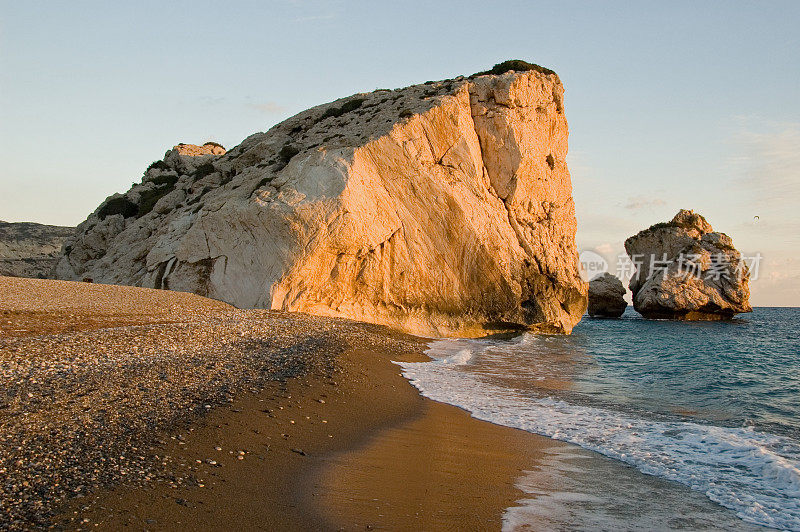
444	470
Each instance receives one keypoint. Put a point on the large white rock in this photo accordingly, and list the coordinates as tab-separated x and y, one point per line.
442	209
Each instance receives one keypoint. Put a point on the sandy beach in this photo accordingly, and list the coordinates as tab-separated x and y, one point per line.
364	453
284	421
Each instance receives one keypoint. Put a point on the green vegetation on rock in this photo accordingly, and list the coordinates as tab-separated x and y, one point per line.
516	65
120	205
346	107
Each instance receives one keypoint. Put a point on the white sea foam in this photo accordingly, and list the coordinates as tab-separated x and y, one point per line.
572	488
756	474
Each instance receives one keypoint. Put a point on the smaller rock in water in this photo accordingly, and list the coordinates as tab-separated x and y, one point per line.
685	270
606	297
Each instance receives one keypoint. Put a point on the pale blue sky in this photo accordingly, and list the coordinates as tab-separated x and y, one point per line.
670	104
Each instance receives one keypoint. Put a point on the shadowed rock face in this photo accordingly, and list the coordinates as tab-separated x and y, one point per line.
444	208
687	271
606	297
31	250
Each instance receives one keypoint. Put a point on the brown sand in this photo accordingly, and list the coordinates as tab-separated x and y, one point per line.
365	435
441	471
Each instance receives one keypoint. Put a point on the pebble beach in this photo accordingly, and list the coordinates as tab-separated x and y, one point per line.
96	377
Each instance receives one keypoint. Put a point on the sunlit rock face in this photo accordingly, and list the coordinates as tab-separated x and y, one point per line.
209	148
440	209
685	270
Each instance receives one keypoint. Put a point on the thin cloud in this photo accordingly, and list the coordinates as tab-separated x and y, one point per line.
313	18
605	248
640	202
270	108
213	100
767	161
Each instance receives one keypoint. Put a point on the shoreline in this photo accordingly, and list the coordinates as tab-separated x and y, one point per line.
309	426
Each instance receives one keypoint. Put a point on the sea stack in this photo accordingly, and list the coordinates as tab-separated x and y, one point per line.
685	270
606	297
441	209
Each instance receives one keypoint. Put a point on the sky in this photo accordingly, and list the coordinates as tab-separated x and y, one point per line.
670	104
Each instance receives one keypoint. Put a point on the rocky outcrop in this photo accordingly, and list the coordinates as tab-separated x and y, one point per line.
685	270
443	208
606	297
209	148
31	250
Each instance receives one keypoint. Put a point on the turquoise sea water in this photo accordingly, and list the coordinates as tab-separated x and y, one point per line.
712	408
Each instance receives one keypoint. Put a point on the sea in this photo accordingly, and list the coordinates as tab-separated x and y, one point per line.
669	425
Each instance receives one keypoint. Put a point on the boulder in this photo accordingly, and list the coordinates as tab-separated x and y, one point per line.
606	297
31	250
685	270
441	209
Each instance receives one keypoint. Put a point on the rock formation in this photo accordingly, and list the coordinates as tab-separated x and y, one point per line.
684	270
442	208
606	297
209	148
30	249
